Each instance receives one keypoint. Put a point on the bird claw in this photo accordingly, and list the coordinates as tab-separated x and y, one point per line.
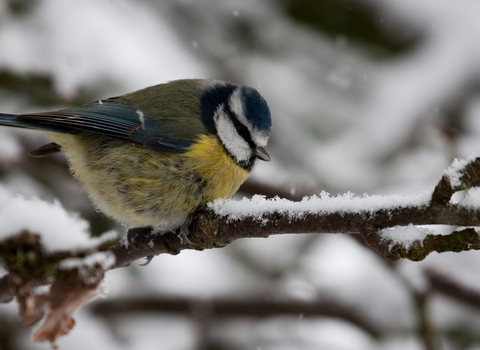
149	259
184	231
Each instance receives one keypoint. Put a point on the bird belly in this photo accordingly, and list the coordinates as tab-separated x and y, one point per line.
141	187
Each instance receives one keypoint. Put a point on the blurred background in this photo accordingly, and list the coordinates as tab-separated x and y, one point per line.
367	96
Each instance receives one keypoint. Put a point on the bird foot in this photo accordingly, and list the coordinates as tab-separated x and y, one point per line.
184	231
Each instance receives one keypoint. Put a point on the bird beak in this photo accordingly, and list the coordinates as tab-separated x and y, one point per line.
260	153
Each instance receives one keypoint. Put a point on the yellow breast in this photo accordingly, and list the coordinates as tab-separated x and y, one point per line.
208	158
140	187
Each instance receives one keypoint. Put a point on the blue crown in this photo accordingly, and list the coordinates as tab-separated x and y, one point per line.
256	110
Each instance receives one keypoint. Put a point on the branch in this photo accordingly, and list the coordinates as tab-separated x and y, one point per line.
454	289
209	230
462	174
350	215
6	293
224	221
229	308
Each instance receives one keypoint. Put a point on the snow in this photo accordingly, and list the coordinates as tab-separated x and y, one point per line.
92	41
59	229
406	235
104	259
471	198
258	205
342	122
453	171
151	243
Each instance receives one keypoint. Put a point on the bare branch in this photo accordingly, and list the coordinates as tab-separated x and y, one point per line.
223	308
453	289
425	328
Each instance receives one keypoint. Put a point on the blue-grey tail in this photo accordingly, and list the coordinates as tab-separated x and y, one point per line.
8	120
12	121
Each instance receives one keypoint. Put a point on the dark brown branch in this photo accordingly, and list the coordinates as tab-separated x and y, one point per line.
425	328
467	177
7	292
209	231
228	308
457	241
30	265
453	289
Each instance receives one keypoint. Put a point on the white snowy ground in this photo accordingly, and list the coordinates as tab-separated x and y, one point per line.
341	123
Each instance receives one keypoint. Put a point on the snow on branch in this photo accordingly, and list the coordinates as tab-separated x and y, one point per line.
462	174
397	226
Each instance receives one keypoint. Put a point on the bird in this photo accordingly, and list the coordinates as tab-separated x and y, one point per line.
150	158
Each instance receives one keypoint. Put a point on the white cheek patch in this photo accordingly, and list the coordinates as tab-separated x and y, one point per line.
233	142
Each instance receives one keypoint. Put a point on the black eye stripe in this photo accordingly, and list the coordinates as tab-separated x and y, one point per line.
241	129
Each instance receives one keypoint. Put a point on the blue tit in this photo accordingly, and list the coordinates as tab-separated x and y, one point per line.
153	156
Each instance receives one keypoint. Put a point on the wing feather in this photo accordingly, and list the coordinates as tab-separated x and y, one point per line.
111	118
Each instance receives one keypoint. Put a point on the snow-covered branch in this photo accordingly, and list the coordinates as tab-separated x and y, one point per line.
397	226
217	227
389	224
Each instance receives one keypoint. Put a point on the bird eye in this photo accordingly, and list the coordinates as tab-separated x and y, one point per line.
242	130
